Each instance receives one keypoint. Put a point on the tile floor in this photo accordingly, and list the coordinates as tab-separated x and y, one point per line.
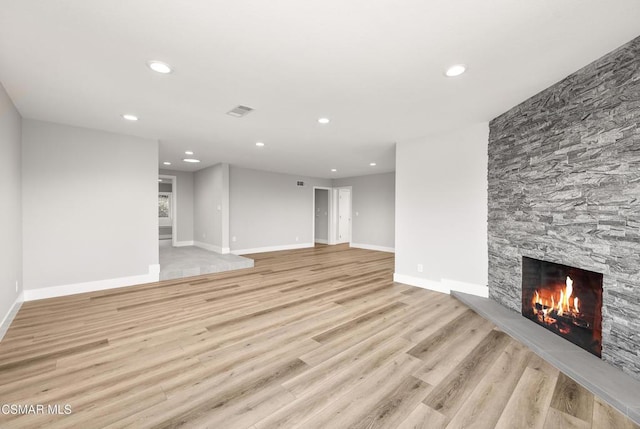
188	261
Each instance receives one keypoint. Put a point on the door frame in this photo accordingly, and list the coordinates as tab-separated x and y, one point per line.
174	208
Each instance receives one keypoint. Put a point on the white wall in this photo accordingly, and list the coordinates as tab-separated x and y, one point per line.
372	210
441	210
184	204
211	192
90	209
268	210
11	211
224	199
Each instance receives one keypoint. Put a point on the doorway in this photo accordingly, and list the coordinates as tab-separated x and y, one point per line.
167	221
321	215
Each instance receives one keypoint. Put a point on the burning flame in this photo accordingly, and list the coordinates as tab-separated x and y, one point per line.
561	302
564	305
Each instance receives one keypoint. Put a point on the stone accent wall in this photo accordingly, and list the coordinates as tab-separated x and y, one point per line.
564	186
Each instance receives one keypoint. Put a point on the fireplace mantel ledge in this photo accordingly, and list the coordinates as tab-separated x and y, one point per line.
610	384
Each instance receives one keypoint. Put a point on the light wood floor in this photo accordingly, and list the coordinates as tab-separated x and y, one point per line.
310	338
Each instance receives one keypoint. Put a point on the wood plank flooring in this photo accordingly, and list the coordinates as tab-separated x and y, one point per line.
312	338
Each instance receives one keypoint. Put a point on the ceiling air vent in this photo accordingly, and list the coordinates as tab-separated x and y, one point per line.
300	183
240	111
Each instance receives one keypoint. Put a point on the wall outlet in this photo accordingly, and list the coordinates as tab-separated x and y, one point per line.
420	268
297	238
204	235
233	238
16	285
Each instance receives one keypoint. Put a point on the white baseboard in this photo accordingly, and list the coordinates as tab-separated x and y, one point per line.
321	241
212	247
421	283
470	288
272	248
183	243
207	246
72	289
154	270
8	318
164	236
373	247
443	286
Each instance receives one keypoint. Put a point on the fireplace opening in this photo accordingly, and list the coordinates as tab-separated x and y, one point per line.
565	300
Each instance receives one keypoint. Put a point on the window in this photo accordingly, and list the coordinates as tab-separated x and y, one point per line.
164	205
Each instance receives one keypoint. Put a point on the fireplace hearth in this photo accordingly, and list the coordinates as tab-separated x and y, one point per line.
565	300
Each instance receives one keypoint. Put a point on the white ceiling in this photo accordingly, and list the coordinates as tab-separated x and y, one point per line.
375	67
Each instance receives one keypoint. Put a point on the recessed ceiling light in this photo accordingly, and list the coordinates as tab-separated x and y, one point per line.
455	70
166	163
333	170
259	144
188	152
323	120
159	66
129	117
373	164
191	160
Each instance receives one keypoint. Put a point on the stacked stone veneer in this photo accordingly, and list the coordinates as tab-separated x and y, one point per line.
564	186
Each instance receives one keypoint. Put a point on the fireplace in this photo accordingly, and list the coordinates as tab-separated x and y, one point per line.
565	300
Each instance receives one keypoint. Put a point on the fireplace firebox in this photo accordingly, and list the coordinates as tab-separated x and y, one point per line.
565	300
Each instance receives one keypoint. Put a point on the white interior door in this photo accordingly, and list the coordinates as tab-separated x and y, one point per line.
344	215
